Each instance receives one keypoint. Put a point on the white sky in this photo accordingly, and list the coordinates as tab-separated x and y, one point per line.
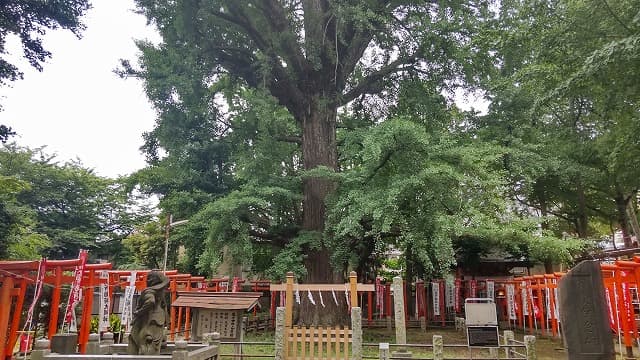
77	106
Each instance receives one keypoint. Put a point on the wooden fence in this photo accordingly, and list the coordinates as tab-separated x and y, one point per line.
318	342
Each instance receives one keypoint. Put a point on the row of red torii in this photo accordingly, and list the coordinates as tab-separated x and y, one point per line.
430	303
17	276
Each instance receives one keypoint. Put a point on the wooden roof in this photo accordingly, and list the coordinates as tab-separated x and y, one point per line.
218	300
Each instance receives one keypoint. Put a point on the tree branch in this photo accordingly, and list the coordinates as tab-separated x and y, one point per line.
367	84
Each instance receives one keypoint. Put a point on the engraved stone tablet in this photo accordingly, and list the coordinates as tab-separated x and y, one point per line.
583	313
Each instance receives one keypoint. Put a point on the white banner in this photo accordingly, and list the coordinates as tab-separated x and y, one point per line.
449	294
435	292
547	300
127	309
556	308
75	294
491	289
511	301
525	301
105	304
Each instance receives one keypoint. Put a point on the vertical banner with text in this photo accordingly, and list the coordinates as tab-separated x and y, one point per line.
127	309
511	301
435	293
76	289
105	301
491	289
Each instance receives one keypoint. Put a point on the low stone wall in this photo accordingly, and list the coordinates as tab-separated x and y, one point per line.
107	350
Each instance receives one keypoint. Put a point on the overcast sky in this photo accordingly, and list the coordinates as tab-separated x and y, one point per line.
77	106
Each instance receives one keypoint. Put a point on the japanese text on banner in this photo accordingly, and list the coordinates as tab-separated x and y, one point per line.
76	288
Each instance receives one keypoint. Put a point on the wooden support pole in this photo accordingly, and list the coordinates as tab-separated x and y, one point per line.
5	298
353	282
172	311
369	307
87	306
288	304
15	322
55	302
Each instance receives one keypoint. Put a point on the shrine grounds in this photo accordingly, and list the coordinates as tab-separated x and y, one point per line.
547	348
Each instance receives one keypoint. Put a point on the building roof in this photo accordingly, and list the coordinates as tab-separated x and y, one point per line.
218	300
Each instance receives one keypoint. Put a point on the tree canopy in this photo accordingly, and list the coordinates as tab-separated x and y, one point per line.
54	210
311	58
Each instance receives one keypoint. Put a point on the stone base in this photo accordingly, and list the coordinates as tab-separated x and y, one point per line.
402	354
64	343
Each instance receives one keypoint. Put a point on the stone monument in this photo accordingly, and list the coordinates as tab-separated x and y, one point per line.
150	317
401	330
583	313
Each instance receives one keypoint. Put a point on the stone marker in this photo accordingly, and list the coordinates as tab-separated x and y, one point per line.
583	313
64	343
401	330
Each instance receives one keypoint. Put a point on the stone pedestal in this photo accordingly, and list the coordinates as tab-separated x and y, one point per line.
64	343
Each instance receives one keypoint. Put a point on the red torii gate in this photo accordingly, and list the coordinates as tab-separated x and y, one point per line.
21	273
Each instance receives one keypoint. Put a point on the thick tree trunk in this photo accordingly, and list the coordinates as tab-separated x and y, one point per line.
633	217
318	149
582	221
623	219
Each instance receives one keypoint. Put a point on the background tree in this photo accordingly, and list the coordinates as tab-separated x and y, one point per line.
56	209
555	107
315	57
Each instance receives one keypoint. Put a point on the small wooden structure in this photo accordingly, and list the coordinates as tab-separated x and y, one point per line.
319	342
216	312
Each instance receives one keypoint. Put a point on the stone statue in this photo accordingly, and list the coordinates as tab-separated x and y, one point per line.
150	317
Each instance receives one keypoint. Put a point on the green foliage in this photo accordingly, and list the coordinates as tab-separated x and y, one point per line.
94	325
51	209
145	247
564	95
256	101
115	324
550	249
415	191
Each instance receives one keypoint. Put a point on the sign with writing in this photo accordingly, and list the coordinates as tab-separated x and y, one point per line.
491	289
105	303
76	288
511	301
449	294
525	301
435	291
480	312
482	336
127	309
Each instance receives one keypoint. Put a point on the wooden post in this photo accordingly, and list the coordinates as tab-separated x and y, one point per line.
369	307
539	279
172	310
15	322
87	305
353	282
288	303
55	303
273	307
5	299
